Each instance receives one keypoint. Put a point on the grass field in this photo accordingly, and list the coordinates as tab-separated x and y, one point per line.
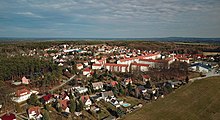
199	100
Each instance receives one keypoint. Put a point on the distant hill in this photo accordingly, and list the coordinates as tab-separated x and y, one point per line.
173	39
197	101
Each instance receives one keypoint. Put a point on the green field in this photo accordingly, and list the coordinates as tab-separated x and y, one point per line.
199	100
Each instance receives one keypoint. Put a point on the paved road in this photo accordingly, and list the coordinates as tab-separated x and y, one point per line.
209	74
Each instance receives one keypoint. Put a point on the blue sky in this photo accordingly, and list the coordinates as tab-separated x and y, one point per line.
109	18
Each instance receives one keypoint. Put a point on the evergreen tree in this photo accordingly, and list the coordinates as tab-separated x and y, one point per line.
46	115
33	100
72	105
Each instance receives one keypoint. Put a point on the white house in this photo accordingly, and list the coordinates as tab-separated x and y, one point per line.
81	89
107	95
116	67
87	102
139	67
199	67
96	66
23	94
79	66
97	85
86	71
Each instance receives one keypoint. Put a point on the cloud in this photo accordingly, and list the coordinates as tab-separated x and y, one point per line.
29	14
108	16
122	10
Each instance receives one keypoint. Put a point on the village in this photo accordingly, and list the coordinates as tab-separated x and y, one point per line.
103	82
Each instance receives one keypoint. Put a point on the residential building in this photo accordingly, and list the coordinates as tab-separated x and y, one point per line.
116	67
97	85
34	113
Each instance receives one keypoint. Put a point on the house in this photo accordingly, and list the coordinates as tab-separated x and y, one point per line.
97	85
152	56
86	72
81	89
22	94
34	113
170	60
114	83
8	116
47	98
139	67
64	105
102	61
60	64
114	102
85	63
126	61
96	66
116	67
141	89
199	67
79	66
107	95
155	63
96	97
182	59
25	81
87	102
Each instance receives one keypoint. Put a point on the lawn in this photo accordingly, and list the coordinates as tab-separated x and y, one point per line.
133	101
199	100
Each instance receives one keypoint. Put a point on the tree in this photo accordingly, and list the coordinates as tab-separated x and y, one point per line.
18	108
46	115
187	79
129	87
33	100
79	106
72	105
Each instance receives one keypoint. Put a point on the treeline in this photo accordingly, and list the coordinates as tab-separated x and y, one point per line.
12	68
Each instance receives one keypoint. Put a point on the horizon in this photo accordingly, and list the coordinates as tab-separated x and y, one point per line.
109	19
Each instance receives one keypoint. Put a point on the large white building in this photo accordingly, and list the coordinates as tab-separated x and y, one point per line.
23	94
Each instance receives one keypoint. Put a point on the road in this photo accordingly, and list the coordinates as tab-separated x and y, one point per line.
209	74
59	86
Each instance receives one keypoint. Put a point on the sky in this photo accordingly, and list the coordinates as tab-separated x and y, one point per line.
109	18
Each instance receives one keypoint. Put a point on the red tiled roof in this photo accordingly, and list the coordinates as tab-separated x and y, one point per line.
8	117
84	98
36	109
140	64
63	104
111	64
126	59
22	91
114	83
169	58
47	97
87	69
149	60
96	65
182	58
